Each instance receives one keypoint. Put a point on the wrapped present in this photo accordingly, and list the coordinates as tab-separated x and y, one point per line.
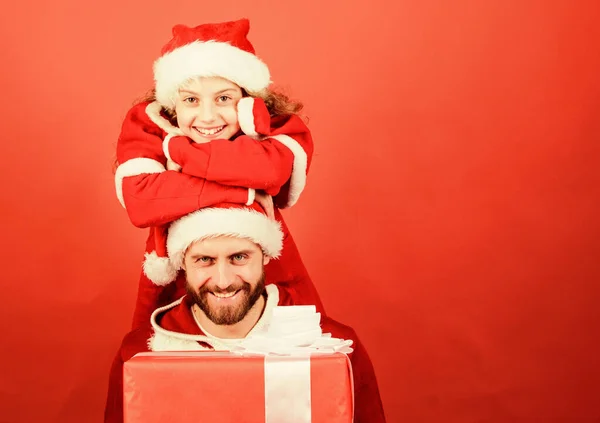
213	386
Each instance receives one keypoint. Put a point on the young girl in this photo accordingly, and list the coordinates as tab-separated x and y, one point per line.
214	132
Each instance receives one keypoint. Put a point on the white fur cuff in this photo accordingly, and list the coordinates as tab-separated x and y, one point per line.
246	116
134	167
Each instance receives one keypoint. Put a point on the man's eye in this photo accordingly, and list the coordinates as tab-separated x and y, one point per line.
203	260
239	257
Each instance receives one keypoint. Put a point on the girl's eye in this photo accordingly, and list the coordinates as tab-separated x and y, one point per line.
190	100
223	99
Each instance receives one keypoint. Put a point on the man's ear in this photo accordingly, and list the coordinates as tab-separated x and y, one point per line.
266	259
183	264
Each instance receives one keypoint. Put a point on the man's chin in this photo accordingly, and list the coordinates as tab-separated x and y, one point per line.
226	315
226	311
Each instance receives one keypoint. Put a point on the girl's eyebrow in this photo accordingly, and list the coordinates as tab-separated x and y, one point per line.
225	90
185	91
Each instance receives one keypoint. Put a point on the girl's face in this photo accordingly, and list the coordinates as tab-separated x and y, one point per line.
206	109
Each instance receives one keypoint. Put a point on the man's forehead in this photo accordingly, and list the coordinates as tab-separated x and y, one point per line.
222	245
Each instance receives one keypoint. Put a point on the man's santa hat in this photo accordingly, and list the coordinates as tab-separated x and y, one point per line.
220	49
234	220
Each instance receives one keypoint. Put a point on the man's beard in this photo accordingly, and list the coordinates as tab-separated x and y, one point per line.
228	315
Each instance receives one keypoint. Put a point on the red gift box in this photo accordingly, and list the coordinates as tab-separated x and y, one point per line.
223	387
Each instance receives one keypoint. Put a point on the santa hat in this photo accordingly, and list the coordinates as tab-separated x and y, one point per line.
235	220
220	49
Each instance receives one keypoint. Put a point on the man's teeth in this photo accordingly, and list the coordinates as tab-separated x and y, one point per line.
211	131
225	294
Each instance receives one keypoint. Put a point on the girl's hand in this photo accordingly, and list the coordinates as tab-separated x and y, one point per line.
171	165
266	202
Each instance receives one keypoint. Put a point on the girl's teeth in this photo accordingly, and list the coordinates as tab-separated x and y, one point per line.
212	131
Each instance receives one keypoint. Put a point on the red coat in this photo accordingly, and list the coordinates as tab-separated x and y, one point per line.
178	319
216	172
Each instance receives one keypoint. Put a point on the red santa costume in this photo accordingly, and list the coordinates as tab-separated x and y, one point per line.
273	155
174	327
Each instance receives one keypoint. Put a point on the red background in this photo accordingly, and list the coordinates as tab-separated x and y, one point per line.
451	214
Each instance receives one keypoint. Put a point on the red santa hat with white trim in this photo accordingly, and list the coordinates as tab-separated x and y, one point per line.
220	49
234	220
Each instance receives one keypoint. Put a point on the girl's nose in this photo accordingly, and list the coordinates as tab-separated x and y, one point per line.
207	112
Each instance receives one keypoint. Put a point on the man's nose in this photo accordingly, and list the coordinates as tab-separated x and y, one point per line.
225	276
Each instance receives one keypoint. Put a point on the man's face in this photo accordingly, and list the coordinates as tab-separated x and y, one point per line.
225	277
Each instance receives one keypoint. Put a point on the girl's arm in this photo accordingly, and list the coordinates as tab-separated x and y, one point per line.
277	161
152	195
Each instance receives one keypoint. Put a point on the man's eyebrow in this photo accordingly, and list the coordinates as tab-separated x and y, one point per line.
237	253
197	256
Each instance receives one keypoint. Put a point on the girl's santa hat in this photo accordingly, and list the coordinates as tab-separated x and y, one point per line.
234	220
220	49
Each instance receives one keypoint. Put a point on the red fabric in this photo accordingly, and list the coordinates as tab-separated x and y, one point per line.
265	165
160	198
233	33
140	137
368	406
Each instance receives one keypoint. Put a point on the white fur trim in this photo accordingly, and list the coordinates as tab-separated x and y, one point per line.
210	58
165	146
159	269
245	109
251	196
166	340
162	342
134	167
298	179
212	222
153	111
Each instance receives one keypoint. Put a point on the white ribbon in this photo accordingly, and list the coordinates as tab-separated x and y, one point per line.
287	402
292	330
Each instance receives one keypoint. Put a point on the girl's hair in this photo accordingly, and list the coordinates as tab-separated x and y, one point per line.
279	104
